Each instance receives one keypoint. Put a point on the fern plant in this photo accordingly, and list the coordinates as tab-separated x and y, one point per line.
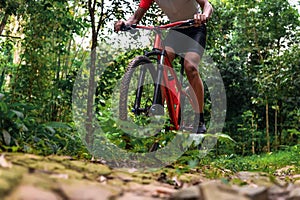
11	122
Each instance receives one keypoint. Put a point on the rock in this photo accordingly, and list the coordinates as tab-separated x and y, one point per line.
276	192
295	177
27	192
71	174
124	176
257	178
290	187
294	194
191	179
45	167
133	196
297	183
190	193
92	168
37	177
164	191
255	193
152	190
10	178
86	191
215	190
285	171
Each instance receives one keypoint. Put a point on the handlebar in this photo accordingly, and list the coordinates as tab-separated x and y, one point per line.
177	24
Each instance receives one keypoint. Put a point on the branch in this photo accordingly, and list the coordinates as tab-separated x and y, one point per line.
92	16
3	22
94	5
101	18
9	36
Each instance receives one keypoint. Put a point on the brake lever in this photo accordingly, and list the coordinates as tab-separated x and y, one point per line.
131	28
125	27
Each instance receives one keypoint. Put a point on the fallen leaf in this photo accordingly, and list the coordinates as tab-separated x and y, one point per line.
4	163
60	176
101	179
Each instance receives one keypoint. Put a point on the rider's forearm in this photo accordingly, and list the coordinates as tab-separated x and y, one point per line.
136	17
207	10
206	7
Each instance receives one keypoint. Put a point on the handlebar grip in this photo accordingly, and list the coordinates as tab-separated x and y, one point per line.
131	28
125	27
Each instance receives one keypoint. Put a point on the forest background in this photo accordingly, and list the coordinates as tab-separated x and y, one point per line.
44	44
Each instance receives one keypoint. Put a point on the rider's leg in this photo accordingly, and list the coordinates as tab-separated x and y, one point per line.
191	63
170	52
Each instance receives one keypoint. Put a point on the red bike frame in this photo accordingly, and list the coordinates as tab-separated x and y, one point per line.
171	87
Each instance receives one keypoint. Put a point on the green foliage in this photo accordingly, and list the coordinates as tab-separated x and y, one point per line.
41	70
251	51
12	121
9	6
112	69
22	130
256	50
137	140
264	163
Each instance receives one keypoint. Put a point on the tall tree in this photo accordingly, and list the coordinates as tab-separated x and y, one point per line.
47	27
100	12
7	9
247	49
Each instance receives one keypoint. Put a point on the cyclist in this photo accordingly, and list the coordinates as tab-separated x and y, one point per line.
177	10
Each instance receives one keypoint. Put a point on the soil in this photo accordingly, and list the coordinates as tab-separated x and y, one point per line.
26	176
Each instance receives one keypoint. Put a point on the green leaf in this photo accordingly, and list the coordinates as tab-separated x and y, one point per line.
224	137
57	125
17	113
3	107
51	129
6	137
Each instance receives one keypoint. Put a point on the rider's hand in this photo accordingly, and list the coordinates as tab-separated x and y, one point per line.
118	25
200	19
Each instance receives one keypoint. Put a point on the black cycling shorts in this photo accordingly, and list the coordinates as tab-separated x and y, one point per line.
183	40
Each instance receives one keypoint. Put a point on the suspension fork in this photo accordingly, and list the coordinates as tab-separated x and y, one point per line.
160	71
138	95
157	106
157	92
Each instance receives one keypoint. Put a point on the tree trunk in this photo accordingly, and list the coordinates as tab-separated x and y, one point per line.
253	134
280	123
267	126
92	83
275	128
90	100
3	23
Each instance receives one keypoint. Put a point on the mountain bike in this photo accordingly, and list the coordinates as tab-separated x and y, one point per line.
152	88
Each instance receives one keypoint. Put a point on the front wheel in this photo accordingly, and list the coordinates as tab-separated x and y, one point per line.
136	107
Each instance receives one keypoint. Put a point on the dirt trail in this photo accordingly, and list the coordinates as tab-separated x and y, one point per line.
28	177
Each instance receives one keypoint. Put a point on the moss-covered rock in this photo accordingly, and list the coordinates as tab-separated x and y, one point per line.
10	178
